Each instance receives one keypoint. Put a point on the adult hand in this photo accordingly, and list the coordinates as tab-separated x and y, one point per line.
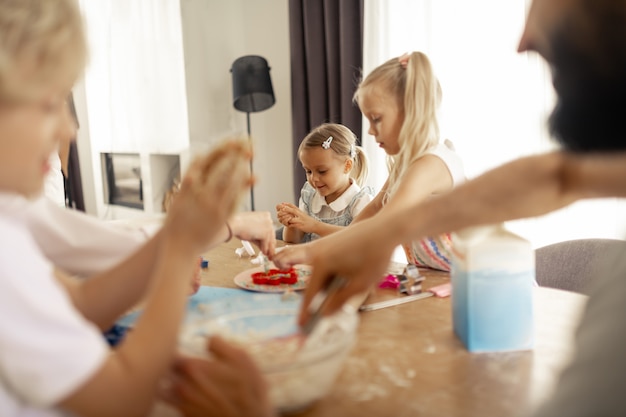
209	193
359	253
256	227
227	385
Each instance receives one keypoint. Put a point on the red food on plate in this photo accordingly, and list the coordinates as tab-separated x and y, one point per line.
273	280
290	279
275	277
259	278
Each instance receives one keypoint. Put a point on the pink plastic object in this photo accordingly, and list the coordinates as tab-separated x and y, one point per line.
390	281
443	290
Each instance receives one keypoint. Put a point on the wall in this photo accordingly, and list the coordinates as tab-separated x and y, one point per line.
214	34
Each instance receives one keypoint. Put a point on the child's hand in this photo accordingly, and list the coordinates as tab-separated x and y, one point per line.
282	214
286	212
292	255
292	216
209	194
228	384
256	227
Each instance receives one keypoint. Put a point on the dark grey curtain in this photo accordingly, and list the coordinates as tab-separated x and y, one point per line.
326	61
73	181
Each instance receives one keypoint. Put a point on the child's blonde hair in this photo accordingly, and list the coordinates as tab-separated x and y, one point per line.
343	144
418	95
42	44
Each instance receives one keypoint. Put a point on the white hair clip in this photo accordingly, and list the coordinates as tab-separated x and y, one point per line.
326	143
352	151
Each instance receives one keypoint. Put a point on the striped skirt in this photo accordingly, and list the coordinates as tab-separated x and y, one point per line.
430	252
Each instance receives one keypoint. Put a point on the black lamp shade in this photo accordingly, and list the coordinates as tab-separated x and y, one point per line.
252	85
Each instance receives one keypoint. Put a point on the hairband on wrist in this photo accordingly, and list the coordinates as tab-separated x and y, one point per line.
230	232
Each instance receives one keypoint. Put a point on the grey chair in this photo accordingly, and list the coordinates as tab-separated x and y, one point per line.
573	265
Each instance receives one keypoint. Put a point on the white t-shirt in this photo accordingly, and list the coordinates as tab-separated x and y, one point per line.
54	184
47	348
78	243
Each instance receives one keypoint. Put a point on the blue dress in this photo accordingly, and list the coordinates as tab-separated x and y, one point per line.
340	212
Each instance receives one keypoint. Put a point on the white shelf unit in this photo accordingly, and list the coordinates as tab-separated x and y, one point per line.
158	172
164	171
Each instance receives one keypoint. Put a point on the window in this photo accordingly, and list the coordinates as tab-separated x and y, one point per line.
495	101
123	184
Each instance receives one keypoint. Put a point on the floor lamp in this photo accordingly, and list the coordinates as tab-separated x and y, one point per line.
252	91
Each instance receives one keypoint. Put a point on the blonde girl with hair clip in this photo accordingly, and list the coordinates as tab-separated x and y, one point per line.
54	360
400	99
332	196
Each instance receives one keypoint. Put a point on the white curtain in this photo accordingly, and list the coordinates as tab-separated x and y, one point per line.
495	101
135	81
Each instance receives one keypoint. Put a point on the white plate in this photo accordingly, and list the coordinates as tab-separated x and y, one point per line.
244	280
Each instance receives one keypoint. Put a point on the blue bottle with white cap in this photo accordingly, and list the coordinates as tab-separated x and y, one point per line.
493	275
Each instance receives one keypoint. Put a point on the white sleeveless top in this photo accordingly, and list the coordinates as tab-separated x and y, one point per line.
435	251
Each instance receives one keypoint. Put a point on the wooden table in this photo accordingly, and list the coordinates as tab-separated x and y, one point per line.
408	362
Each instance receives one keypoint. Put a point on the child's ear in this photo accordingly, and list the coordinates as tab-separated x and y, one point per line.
348	167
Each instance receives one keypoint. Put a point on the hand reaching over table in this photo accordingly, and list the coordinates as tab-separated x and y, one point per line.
256	227
209	194
337	255
292	255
